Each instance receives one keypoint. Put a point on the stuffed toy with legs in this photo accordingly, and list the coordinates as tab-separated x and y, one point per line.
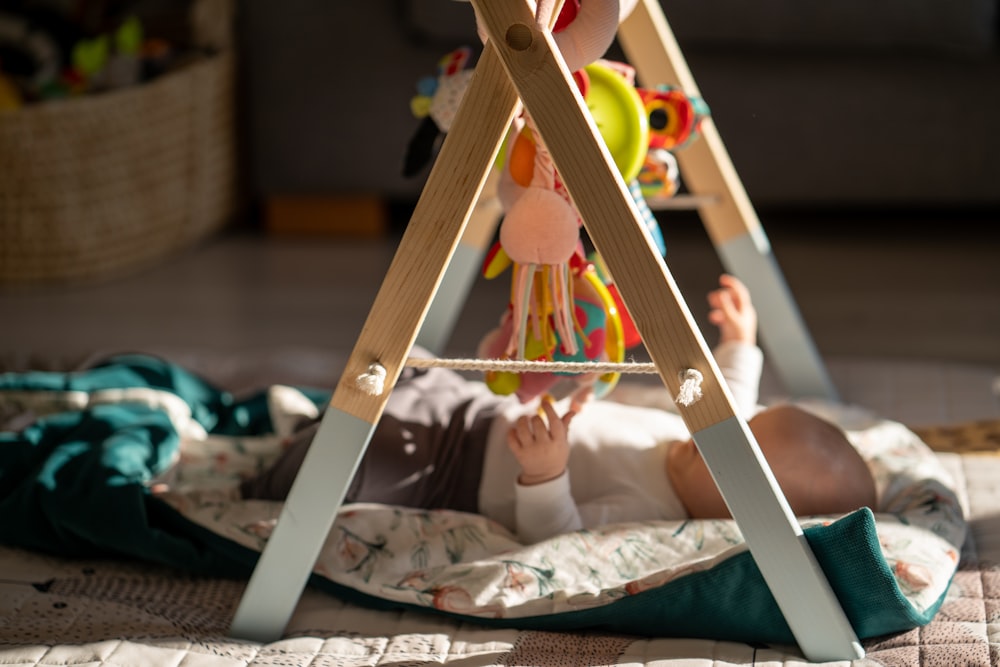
563	305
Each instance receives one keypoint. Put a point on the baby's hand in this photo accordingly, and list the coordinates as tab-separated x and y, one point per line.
541	445
732	311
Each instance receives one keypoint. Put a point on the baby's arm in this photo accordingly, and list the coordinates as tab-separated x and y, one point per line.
737	354
733	311
540	444
544	505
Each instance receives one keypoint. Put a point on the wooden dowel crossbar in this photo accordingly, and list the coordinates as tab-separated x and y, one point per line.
521	61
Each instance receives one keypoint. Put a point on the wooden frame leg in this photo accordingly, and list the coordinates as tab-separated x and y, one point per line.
317	493
387	337
728	215
672	338
465	266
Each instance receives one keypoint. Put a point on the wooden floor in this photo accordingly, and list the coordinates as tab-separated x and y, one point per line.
875	288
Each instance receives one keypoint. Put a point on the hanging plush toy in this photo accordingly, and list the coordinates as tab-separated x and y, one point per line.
564	305
435	105
674	122
674	117
560	308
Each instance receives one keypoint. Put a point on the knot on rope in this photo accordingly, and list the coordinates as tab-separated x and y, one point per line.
690	390
372	382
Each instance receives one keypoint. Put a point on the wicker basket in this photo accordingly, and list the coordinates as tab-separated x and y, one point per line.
102	185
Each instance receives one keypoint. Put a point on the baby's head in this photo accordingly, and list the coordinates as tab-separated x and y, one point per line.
818	469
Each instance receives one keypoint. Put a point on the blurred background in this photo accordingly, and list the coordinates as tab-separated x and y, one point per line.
847	104
222	180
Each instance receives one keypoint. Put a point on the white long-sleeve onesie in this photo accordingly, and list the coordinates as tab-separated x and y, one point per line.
617	467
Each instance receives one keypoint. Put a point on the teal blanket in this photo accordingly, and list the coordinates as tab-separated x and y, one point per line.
75	482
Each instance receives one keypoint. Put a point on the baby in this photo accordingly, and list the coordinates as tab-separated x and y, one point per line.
545	468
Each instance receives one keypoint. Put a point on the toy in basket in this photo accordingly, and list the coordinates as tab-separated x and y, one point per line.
111	178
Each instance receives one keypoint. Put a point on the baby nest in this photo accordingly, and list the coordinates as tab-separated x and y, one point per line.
890	568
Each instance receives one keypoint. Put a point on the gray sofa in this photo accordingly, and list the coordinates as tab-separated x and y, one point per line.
821	103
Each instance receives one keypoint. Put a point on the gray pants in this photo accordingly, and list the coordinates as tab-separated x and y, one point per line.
427	449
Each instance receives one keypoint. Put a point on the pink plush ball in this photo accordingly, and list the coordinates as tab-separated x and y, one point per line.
540	228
